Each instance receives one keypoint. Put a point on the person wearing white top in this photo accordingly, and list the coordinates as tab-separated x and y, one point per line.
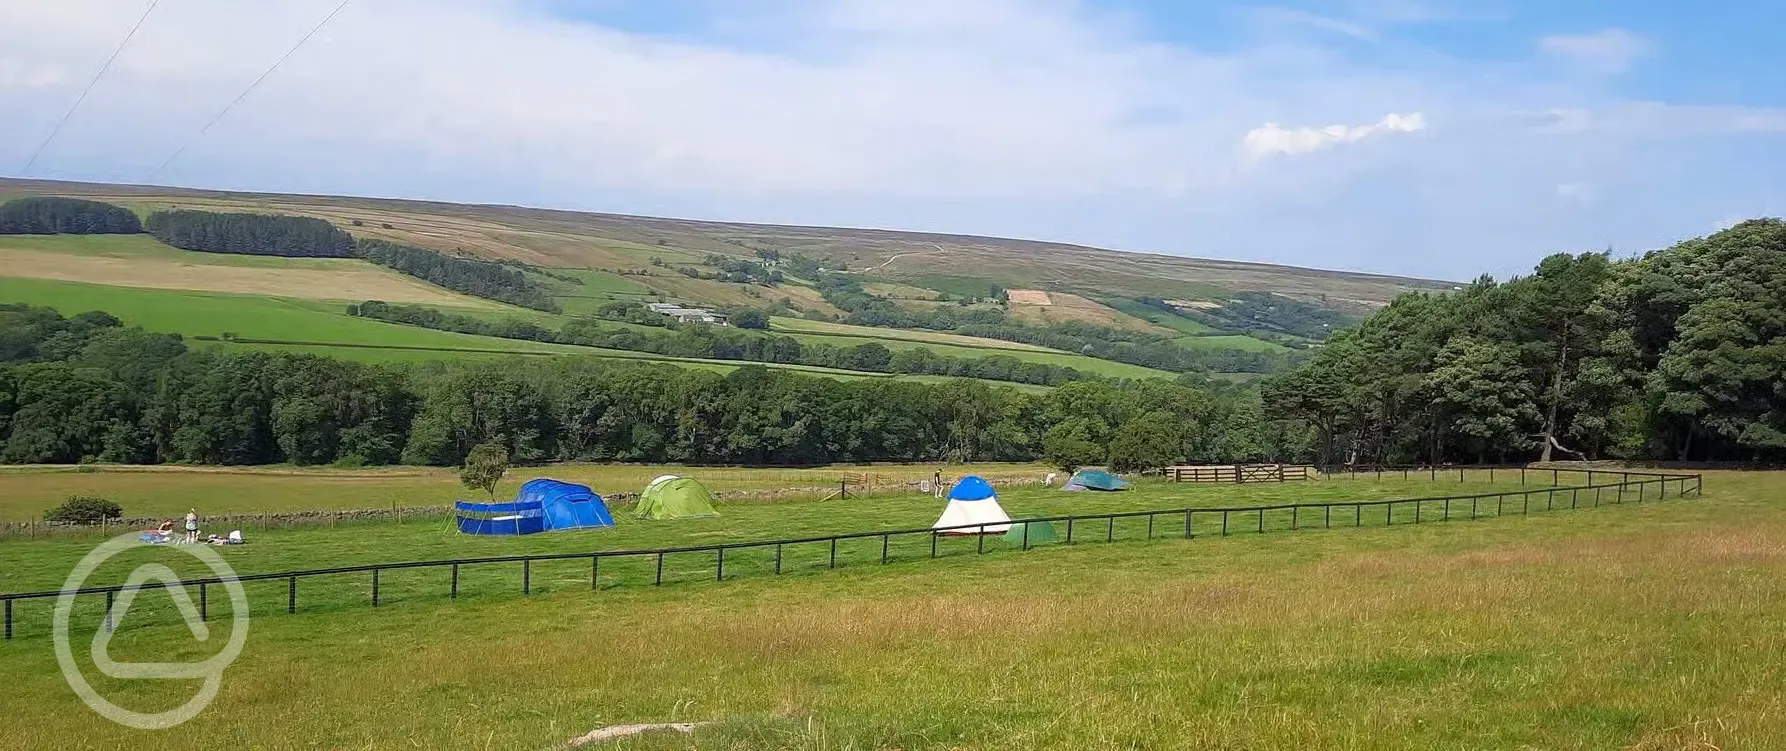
192	525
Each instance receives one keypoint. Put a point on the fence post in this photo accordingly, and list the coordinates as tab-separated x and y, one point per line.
1187	524
884	546
108	611
1491	475
595	573
1553	479
1295	516
1574	497
1417	507
526	576
981	537
1026	535
1525	502
1327	517
1473	507
778	554
660	570
1597	490
1550	499
291	596
1460	475
454	595
719	568
9	620
1110	532
1070	520
1150	526
1447	509
374	589
1224	522
1522	476
1261	521
933	537
1500	498
204	604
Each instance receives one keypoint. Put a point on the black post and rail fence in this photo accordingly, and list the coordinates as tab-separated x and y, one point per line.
1541	490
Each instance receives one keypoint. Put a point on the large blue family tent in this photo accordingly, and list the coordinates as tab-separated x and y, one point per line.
542	505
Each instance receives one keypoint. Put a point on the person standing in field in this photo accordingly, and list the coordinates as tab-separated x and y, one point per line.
192	525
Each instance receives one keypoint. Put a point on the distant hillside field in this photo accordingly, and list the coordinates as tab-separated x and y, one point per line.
1081	300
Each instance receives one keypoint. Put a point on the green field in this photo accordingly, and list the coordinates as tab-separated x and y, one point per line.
782	324
598	288
1233	341
1158	317
1634	626
213	314
321	327
898	339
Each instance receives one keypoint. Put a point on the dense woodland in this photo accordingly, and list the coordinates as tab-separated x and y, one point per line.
49	215
484	279
88	389
250	234
696	340
1680	355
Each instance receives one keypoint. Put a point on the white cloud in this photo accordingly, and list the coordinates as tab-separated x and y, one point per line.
1036	118
1271	138
1575	191
1604	51
1275	16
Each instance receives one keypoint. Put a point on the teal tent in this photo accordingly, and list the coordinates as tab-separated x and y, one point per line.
1095	479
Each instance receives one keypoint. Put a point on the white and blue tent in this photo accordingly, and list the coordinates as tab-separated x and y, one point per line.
973	510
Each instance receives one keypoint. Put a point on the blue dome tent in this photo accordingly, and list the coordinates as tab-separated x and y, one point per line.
542	505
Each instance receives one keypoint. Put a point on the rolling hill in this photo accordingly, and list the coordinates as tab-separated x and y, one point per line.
590	260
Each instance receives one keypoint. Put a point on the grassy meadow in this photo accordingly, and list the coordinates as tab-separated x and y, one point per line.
1651	626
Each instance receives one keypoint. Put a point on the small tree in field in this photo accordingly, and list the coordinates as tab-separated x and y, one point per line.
484	467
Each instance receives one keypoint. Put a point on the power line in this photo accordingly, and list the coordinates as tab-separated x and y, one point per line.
90	84
251	87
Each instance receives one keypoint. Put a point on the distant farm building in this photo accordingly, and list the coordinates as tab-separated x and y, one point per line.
688	315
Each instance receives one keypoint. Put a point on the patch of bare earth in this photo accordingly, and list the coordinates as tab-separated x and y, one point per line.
351	282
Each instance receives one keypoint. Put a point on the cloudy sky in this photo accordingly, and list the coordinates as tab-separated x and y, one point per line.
1400	136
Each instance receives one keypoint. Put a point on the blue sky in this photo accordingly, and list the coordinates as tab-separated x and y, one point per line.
1398	136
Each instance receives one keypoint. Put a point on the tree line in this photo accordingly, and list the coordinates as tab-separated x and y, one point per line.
86	388
493	281
250	234
701	341
1679	354
51	215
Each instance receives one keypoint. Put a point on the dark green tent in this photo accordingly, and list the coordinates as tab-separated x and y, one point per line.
1038	533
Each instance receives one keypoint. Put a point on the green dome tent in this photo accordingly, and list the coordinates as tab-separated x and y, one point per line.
672	497
1033	533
